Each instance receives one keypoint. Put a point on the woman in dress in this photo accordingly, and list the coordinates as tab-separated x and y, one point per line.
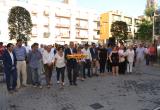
114	59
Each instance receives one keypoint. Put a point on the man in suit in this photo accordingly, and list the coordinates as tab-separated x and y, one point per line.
94	54
71	64
9	61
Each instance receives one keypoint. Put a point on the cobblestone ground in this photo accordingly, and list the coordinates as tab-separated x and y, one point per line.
136	91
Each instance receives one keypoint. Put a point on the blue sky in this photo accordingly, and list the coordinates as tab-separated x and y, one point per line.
128	7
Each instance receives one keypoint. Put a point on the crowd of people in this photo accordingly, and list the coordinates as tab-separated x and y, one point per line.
23	63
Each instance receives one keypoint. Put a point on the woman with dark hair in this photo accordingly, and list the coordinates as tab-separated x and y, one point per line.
59	61
114	59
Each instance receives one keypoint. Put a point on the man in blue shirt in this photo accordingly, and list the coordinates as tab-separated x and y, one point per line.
34	56
21	54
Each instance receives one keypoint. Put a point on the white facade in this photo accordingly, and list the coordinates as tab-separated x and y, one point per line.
53	22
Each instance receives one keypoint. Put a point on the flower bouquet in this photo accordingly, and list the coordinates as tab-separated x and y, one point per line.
76	56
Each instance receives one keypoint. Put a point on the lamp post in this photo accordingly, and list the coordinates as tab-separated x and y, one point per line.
153	33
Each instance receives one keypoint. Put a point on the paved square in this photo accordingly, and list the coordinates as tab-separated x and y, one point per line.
136	91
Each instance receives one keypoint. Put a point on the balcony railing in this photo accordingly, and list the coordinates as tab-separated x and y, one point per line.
96	37
63	15
62	25
96	28
81	27
81	37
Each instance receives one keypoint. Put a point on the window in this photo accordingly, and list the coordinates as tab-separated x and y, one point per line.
116	18
128	20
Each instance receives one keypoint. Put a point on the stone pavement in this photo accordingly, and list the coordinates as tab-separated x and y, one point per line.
136	91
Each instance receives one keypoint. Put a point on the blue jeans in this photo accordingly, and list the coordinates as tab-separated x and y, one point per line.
35	76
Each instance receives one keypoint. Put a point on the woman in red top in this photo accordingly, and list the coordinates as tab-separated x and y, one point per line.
152	53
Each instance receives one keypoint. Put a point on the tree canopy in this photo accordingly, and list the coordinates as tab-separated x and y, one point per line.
150	11
19	23
145	30
119	30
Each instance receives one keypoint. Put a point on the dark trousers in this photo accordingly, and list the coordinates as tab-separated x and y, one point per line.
72	73
60	71
109	66
87	65
147	59
11	79
48	73
102	63
122	67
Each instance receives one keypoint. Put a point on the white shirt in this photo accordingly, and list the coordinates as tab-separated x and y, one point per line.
121	54
60	61
11	55
41	50
28	48
130	55
48	57
87	52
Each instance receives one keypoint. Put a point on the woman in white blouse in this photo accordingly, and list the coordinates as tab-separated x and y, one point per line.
130	59
59	61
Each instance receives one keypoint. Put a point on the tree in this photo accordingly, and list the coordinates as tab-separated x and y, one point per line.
19	23
150	12
119	30
145	30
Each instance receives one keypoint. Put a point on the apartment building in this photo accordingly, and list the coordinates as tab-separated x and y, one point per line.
54	22
108	18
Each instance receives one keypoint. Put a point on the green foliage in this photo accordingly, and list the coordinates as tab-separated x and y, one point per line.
19	23
145	30
119	30
149	11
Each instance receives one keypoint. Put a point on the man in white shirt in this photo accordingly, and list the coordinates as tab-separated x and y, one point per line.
87	62
140	52
48	57
28	48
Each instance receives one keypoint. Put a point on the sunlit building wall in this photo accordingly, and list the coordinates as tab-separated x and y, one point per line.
54	22
108	18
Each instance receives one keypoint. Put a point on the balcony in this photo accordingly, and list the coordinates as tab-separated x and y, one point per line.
62	15
46	25
96	37
82	18
46	34
81	27
64	35
34	13
96	19
62	25
96	29
81	37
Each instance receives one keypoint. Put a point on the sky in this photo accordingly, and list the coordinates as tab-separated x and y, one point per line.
129	7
